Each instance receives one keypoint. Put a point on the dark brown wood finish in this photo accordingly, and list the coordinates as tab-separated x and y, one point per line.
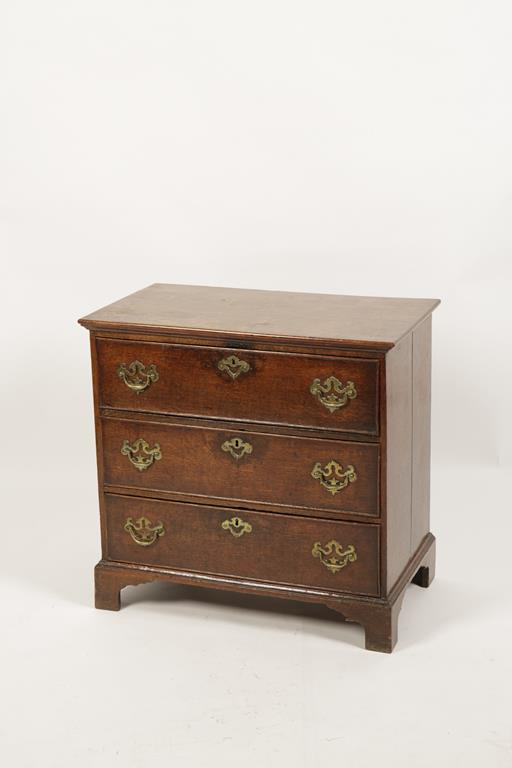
276	471
278	549
407	448
420	501
99	442
352	321
378	616
275	389
192	408
398	458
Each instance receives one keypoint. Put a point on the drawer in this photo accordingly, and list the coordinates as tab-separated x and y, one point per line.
338	393
332	555
328	476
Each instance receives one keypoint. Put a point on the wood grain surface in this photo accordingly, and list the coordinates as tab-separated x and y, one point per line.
360	321
275	389
278	549
277	471
193	408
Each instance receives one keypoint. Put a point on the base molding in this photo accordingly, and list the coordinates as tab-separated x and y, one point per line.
378	616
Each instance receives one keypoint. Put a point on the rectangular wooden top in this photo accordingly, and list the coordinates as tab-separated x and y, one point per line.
351	321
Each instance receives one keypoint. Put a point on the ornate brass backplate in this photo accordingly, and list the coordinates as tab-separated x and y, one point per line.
140	454
142	532
233	366
236	447
333	393
236	526
332	477
136	376
333	556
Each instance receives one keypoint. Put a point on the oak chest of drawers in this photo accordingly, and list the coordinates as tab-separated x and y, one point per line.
265	442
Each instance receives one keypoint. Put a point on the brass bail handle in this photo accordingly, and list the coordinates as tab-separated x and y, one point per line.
141	454
137	376
143	532
333	556
332	477
332	393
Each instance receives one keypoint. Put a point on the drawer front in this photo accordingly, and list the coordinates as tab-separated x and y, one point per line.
325	475
283	549
269	387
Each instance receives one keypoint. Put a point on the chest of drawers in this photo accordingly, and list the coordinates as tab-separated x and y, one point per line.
265	442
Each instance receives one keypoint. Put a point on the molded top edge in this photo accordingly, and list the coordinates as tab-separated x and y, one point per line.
351	321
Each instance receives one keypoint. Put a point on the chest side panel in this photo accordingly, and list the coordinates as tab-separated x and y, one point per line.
398	449
422	359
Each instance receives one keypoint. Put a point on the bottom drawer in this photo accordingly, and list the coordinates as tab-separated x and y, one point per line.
285	549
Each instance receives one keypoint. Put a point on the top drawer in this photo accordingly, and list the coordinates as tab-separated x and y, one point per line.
338	393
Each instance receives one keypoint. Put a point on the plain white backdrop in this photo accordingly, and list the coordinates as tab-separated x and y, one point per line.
339	147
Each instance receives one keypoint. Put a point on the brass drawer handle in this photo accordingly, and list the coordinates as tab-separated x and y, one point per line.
236	526
142	532
333	393
236	447
333	556
136	376
332	477
140	454
233	366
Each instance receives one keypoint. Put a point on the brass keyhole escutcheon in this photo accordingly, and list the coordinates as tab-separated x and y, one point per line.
233	366
236	526
236	447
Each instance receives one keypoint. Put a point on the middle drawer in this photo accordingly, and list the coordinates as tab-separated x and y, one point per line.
327	476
